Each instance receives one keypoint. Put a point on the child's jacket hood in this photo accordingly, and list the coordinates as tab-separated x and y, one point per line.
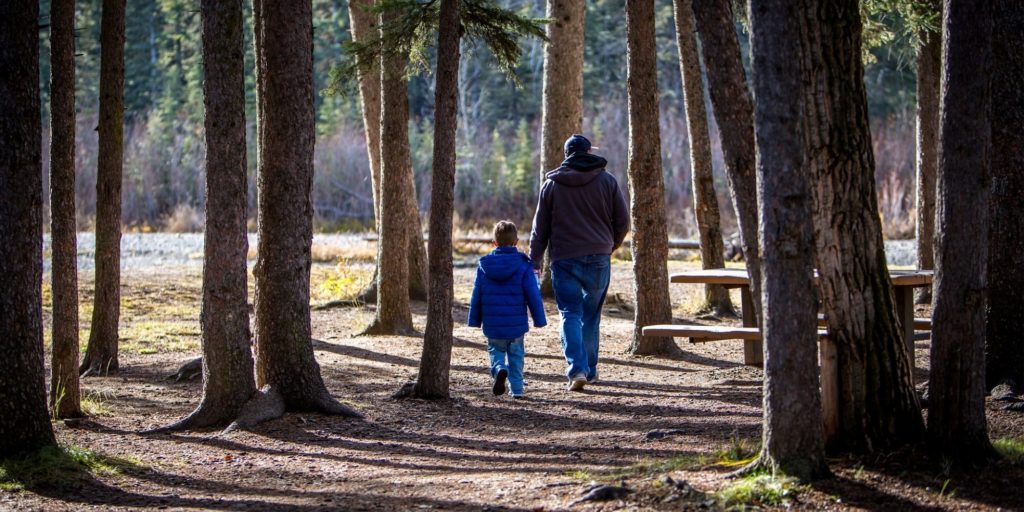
502	264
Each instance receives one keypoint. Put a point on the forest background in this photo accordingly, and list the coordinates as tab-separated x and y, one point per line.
499	121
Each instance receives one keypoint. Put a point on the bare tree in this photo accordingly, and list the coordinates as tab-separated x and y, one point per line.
705	201
101	353
24	424
929	71
646	183
285	365
435	363
956	415
734	113
876	403
793	438
1004	351
65	395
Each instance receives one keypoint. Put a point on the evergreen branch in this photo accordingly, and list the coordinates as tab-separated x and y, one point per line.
409	32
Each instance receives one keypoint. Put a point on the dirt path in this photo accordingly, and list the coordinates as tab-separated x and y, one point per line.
475	452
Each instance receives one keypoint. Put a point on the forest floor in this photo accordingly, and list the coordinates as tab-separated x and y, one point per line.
671	429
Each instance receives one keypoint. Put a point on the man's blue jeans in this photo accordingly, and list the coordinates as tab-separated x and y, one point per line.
580	286
516	352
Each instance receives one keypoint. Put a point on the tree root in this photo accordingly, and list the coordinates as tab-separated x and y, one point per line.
412	389
376	328
188	370
90	368
204	416
266	404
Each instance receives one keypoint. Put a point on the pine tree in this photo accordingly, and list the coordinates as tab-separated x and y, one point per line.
228	381
876	403
435	362
285	363
734	113
101	353
793	440
705	201
646	184
1004	349
956	414
24	424
65	395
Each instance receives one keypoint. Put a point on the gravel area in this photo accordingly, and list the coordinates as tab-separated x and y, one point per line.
148	250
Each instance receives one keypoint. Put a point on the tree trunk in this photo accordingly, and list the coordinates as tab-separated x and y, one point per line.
646	183
1005	328
24	424
284	101
562	103
228	381
793	438
876	403
393	315
705	202
65	395
956	416
101	353
435	363
734	111
929	71
365	25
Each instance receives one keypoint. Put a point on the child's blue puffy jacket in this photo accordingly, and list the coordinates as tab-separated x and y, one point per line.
505	288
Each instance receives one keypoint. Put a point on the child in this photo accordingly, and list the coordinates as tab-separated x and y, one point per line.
505	288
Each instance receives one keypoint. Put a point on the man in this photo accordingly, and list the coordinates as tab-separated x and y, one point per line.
581	219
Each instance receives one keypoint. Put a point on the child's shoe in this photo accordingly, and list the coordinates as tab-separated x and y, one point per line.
499	382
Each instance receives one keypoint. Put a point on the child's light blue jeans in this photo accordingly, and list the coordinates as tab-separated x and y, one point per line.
515	352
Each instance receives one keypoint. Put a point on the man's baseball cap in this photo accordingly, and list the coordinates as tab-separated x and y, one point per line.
577	144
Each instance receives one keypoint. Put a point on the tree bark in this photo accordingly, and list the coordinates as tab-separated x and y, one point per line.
793	438
877	405
646	183
929	71
101	353
435	362
65	395
734	111
228	381
24	424
365	25
956	416
562	102
284	66
1004	354
705	201
393	315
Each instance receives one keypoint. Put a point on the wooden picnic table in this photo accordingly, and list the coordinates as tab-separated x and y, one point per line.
903	281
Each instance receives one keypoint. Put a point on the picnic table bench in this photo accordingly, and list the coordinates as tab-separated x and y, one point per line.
692	245
904	282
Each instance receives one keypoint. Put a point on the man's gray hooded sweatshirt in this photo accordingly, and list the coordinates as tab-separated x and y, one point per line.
580	212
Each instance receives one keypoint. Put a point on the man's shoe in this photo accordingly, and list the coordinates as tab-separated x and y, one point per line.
592	380
578	382
499	382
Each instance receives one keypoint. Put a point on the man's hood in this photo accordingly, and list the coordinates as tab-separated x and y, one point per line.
578	170
503	263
